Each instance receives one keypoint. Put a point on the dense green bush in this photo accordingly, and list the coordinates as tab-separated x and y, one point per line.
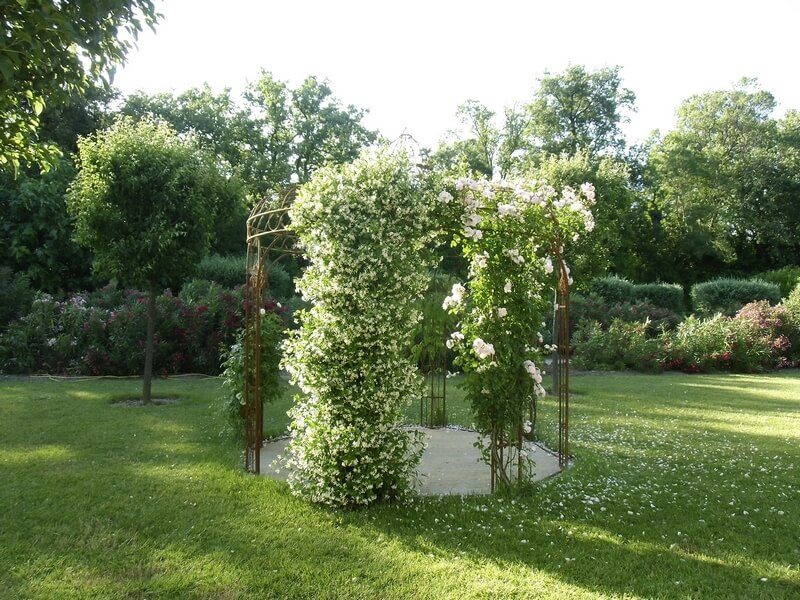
792	307
720	343
591	308
229	272
15	295
102	333
727	296
663	295
614	290
786	279
621	346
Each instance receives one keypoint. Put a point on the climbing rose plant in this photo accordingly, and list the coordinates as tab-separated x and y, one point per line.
513	234
363	228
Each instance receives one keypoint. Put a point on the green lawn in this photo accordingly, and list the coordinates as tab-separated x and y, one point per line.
683	486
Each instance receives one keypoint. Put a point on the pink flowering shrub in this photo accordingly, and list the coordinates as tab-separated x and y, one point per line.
102	333
759	337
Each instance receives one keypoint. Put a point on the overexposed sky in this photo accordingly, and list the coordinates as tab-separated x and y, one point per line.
411	63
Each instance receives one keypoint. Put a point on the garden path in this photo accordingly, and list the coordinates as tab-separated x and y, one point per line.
451	465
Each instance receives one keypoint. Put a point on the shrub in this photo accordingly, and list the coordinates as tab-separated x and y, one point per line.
614	290
229	272
623	345
663	295
15	295
786	279
727	296
350	355
792	307
720	343
101	333
591	308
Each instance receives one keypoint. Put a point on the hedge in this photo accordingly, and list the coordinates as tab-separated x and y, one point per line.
229	272
615	290
663	295
727	296
786	278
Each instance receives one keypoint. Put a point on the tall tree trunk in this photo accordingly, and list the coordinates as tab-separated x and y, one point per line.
148	351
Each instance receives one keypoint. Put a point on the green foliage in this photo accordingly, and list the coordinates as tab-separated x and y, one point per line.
786	278
792	306
436	323
267	139
101	333
15	295
50	51
613	241
727	296
613	289
663	295
580	110
233	374
229	272
37	230
143	202
623	345
364	227
719	343
292	132
724	186
585	309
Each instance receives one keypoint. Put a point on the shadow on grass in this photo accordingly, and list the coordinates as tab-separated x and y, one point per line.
154	503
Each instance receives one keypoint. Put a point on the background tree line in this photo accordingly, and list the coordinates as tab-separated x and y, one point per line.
720	194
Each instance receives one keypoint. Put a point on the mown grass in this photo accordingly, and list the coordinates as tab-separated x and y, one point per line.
683	487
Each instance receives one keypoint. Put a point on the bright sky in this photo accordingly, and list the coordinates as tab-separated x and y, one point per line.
411	63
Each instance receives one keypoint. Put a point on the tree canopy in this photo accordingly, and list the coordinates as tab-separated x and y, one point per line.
51	50
579	110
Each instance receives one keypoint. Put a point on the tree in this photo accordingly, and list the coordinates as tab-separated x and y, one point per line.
36	230
487	147
579	110
143	202
726	186
269	138
619	218
51	50
297	131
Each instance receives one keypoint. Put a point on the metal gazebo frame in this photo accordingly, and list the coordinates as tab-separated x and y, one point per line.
269	240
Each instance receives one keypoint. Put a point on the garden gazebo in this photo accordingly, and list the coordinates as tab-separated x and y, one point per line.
269	240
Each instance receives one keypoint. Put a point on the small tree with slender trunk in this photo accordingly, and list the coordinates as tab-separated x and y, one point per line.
143	203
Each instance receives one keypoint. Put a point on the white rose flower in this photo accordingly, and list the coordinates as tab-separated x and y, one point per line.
482	349
515	256
506	210
548	265
445	197
502	312
508	287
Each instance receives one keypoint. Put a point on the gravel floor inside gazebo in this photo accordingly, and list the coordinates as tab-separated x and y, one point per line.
451	465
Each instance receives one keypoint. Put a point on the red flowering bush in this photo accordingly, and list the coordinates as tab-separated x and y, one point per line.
101	333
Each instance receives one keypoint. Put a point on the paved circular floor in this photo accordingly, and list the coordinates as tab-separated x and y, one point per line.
450	464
